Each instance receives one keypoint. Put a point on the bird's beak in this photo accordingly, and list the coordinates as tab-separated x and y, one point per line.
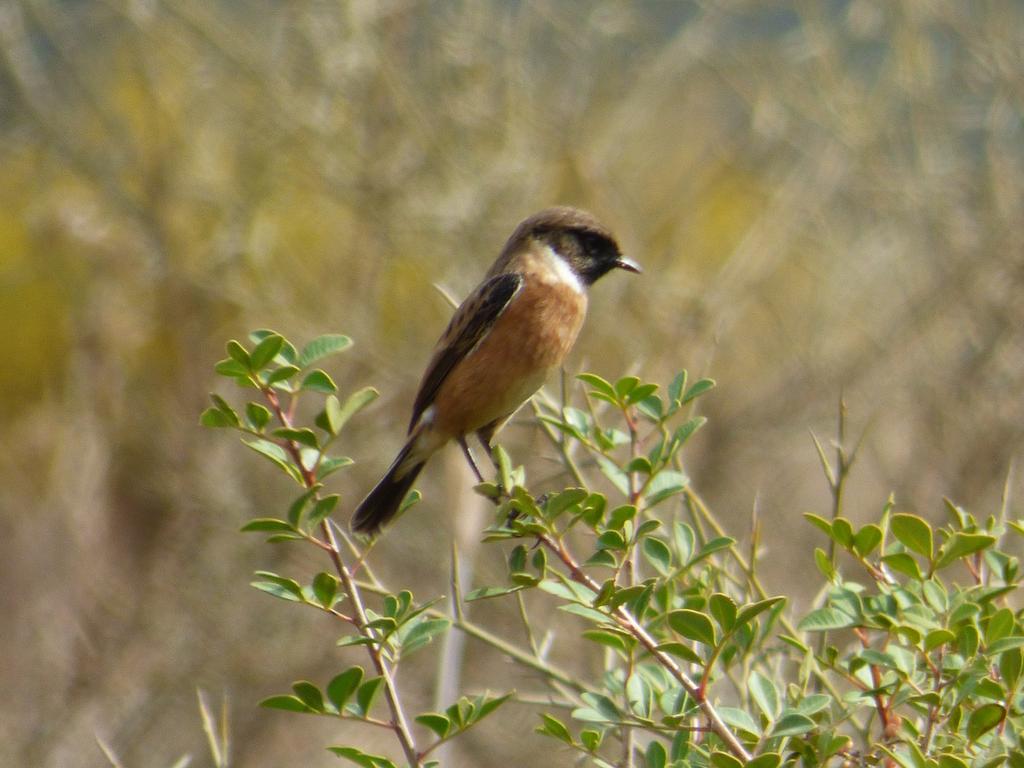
628	264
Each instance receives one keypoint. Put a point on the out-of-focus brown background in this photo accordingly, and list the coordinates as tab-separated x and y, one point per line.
827	197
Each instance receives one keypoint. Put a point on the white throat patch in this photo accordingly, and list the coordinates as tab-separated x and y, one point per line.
563	271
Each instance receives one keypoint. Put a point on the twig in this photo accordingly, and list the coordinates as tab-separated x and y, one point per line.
399	724
628	622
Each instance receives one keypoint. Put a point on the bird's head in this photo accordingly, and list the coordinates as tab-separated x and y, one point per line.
586	245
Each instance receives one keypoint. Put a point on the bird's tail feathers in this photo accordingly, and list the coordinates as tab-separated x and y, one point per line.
382	503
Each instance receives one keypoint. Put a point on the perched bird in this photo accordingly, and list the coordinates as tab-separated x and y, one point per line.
500	345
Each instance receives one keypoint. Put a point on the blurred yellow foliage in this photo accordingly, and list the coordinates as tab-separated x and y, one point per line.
826	198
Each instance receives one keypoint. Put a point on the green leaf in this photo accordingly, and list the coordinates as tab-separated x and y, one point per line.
640	393
967	640
842	532
935	595
266	351
318	381
217	419
267	524
232	369
338	415
483	593
1000	625
257	416
609	639
1010	665
655	756
611	540
867	538
237	353
287	353
693	625
748	612
276	454
296	508
723	608
915	754
686	431
332	464
683	539
624	386
626	595
665	484
714	545
322	509
983	720
612	471
619	516
1006	644
657	553
739	719
436	722
279	586
699	388
560	502
684	652
367	693
303	435
937	637
287	703
819	522
764	694
961	545
283	537
487	705
591	739
349	640
325	587
361	758
283	373
827	618
322	346
793	724
724	760
343	685
766	760
600	709
420	632
640	464
639	696
555	728
824	564
813	703
676	387
914	533
309	694
905	564
597	383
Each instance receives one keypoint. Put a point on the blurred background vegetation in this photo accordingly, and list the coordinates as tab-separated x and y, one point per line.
827	197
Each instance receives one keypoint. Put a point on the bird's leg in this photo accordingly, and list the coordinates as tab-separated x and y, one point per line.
485	441
469	458
485	436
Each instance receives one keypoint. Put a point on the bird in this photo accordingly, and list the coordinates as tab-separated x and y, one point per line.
500	345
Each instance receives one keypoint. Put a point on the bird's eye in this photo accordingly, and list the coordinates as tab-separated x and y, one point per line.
591	242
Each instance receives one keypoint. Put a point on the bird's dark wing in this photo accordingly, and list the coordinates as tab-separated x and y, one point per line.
471	323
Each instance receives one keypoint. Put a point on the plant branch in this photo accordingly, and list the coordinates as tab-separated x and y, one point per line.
399	724
628	622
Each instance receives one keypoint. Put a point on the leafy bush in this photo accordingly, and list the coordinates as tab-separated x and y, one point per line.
913	657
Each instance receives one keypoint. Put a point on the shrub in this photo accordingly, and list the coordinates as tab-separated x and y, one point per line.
913	657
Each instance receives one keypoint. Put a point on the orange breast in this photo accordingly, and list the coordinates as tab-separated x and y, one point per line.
531	337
